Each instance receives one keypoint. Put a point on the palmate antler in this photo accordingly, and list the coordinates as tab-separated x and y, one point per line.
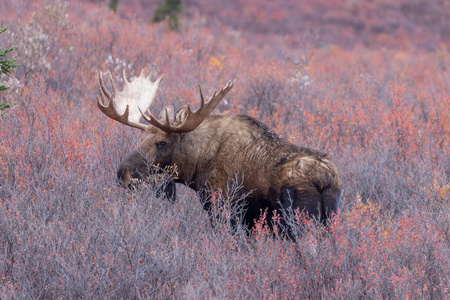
126	106
192	119
129	105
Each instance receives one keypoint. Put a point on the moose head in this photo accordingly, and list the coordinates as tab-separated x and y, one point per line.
161	136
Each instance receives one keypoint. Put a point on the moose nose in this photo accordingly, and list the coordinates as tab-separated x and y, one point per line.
125	174
122	174
132	169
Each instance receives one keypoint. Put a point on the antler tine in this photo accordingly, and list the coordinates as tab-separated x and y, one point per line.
101	87
153	121
124	75
193	119
115	91
103	90
202	99
103	93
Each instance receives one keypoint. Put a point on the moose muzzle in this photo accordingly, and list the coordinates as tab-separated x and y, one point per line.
133	169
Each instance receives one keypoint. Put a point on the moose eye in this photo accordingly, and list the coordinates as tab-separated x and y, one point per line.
161	144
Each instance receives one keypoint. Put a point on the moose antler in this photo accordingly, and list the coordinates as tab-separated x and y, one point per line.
126	106
191	119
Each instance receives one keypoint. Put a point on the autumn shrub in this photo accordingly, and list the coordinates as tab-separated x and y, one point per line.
41	47
67	230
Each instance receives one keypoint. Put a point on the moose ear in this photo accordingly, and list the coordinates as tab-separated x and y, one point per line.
180	116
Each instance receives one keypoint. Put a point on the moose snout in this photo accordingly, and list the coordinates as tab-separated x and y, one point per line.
125	176
132	170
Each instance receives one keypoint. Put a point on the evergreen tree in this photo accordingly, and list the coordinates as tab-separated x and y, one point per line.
6	67
113	5
171	9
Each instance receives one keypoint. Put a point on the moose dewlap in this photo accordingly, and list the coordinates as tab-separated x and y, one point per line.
210	152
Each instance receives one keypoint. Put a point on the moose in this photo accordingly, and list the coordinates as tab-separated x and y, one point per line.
209	152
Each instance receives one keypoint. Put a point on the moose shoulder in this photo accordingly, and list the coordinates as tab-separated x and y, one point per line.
209	152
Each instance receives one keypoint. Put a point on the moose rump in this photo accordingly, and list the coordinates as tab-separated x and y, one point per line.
209	152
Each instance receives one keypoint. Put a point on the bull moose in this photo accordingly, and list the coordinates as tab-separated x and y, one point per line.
210	151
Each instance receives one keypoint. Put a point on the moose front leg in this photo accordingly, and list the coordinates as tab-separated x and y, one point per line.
224	211
168	190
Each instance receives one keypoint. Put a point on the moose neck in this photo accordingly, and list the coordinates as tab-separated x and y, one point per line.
195	155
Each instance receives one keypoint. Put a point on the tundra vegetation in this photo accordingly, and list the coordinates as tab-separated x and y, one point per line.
367	82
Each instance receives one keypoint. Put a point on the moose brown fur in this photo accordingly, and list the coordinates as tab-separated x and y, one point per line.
209	152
